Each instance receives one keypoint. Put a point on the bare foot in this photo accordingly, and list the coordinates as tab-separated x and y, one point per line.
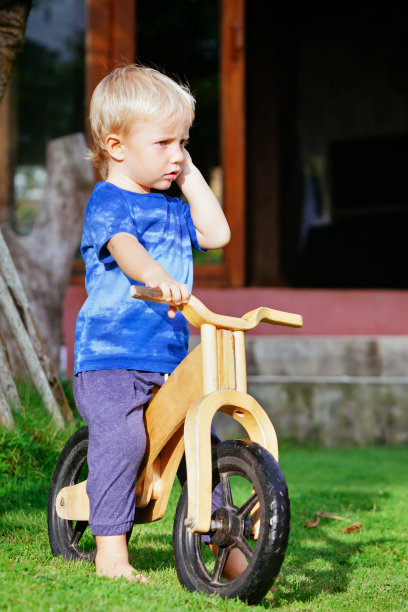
112	559
118	569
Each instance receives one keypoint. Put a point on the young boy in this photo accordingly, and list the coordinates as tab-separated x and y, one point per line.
140	121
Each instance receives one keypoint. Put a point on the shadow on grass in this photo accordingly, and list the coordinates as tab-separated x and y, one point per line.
155	554
305	584
318	562
18	495
299	581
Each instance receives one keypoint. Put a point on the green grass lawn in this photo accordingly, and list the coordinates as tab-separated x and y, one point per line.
323	570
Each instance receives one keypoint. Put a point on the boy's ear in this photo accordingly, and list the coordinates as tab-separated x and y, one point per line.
114	147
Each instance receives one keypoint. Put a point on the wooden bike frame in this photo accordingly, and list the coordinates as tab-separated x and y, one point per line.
178	419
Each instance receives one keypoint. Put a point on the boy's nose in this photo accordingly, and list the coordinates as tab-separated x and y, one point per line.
177	155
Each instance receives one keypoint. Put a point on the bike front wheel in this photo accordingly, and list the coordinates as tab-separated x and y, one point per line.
254	517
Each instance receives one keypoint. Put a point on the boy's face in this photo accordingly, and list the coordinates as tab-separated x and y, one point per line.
151	155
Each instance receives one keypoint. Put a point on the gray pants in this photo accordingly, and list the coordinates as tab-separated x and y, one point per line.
112	403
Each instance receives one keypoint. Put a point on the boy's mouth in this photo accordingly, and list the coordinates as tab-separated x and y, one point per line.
172	175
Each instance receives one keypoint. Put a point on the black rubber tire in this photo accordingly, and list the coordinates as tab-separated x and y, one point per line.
72	541
68	538
267	486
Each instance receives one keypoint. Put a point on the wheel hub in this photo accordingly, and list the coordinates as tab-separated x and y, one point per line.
230	527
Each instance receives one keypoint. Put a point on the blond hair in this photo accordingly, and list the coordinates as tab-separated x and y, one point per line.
132	94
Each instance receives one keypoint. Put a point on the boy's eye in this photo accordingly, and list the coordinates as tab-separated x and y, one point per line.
162	143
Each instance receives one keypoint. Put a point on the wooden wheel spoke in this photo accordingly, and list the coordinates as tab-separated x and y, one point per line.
246	508
242	543
78	532
220	561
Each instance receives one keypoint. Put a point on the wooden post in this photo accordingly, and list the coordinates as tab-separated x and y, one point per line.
233	133
8	389
240	361
6	418
7	383
210	365
15	289
110	39
29	355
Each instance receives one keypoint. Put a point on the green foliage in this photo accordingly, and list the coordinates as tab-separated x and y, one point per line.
209	257
32	448
324	569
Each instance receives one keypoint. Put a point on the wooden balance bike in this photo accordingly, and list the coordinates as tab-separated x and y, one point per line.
254	515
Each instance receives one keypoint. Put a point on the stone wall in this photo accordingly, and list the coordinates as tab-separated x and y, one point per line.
333	390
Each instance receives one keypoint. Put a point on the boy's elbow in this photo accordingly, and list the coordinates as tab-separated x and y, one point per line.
216	240
225	238
223	235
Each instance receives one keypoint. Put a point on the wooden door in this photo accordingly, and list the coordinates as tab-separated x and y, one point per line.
111	40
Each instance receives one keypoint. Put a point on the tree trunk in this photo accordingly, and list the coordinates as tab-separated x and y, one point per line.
44	257
13	20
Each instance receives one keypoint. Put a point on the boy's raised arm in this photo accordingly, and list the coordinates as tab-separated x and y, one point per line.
211	225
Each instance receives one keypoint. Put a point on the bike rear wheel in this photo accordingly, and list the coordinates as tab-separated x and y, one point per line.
252	487
71	539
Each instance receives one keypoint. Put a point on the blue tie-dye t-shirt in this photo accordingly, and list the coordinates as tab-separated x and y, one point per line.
114	330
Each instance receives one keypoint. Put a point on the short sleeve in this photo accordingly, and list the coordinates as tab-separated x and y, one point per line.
106	216
191	228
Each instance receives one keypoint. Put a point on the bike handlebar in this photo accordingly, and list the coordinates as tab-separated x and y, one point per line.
197	314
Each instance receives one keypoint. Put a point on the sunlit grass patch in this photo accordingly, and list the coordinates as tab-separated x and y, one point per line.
324	569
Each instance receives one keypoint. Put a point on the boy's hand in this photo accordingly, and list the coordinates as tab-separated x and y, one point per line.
188	167
209	220
172	292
